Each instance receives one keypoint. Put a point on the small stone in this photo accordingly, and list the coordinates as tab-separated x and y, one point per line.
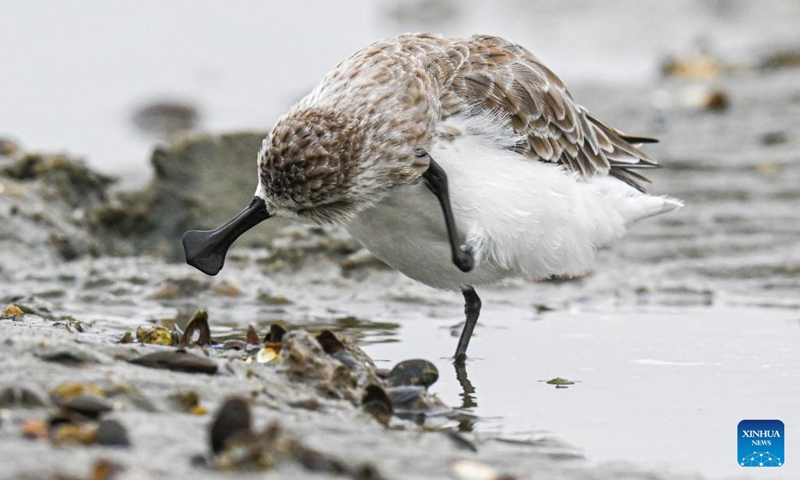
8	147
13	311
112	433
558	381
70	358
700	66
198	410
782	59
165	118
178	360
167	292
36	429
65	391
307	404
716	101
156	335
185	400
87	404
104	469
126	338
232	419
234	344
226	289
542	308
25	395
774	138
75	433
273	299
415	372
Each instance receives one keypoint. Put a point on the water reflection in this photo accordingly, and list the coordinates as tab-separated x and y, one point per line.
469	398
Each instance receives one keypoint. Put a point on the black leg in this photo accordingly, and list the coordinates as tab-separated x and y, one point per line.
472	308
436	180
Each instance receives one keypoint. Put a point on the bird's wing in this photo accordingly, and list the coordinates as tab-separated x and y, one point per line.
495	75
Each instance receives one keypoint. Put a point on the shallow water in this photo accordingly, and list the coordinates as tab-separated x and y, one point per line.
655	386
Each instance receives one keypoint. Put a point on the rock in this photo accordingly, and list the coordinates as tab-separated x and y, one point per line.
699	66
65	391
85	433
201	182
87	404
8	147
112	433
416	372
185	400
34	429
233	419
24	395
236	446
105	469
560	382
156	335
336	375
166	118
178	360
781	59
56	204
73	356
43	205
68	179
13	311
774	138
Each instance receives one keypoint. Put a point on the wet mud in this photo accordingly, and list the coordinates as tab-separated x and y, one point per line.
308	358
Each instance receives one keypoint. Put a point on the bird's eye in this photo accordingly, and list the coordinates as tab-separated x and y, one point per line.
419	153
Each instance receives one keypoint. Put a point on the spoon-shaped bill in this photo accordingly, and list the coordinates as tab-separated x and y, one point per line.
205	250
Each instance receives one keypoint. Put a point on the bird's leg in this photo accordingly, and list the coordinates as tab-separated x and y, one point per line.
436	180
472	308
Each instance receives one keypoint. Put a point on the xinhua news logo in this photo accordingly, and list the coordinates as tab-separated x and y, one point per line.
761	443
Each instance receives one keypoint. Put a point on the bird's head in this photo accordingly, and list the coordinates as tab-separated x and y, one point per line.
308	167
311	167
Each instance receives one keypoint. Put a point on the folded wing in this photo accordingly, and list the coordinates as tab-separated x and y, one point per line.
501	77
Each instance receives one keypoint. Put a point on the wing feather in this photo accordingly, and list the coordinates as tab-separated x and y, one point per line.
499	76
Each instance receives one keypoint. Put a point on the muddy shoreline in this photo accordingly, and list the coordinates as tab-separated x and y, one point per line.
86	262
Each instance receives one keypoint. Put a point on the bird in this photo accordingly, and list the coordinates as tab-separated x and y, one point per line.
460	162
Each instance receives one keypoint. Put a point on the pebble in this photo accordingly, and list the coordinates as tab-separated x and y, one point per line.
112	433
178	360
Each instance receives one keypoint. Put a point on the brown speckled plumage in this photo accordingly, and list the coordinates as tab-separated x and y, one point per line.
355	136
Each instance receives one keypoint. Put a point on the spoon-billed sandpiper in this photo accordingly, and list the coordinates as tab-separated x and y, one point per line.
459	162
